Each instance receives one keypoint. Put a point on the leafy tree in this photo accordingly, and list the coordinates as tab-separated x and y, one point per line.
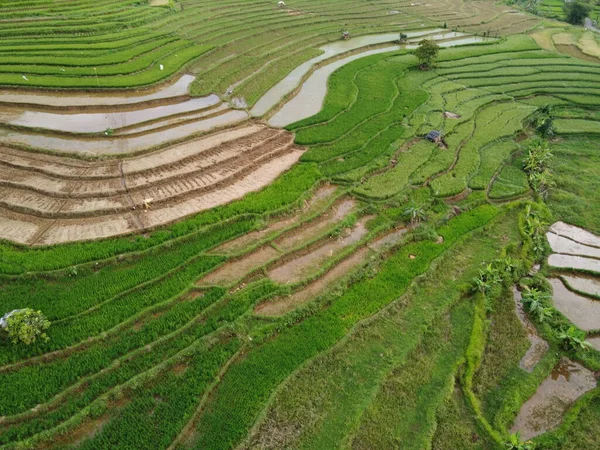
538	156
402	38
576	12
26	326
427	52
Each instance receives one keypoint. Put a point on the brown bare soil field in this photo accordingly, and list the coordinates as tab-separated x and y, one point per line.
49	199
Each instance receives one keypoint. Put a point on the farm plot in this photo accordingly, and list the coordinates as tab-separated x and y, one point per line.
49	200
303	288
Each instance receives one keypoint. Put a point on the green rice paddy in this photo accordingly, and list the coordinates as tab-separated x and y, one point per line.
401	352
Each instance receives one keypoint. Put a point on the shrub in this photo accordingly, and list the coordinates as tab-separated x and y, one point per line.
26	326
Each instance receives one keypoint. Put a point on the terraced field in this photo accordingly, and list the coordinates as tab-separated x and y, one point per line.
242	238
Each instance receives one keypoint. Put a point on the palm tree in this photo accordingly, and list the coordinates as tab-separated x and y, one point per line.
415	213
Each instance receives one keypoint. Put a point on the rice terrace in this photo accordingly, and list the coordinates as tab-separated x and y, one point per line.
300	224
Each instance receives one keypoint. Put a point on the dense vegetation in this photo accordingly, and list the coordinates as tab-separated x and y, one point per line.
415	346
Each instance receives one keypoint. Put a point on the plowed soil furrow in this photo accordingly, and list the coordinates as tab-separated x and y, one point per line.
47	206
59	220
180	154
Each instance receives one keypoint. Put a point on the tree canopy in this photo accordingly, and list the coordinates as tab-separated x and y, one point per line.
427	52
576	12
27	326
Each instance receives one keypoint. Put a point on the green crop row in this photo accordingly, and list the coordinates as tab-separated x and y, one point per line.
249	382
376	91
171	63
106	364
127	307
511	182
341	93
491	124
281	194
576	126
410	372
394	180
115	57
491	156
64	295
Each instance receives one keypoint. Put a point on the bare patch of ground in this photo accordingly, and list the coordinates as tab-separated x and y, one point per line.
389	240
48	200
451	115
336	214
235	270
283	305
303	265
239	244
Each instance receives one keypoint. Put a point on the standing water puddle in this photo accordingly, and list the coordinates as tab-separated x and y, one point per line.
289	83
583	312
595	342
544	411
309	100
99	122
538	347
561	244
123	145
576	234
574	262
587	285
301	267
69	99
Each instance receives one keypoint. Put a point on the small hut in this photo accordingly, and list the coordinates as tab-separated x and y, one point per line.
345	35
435	136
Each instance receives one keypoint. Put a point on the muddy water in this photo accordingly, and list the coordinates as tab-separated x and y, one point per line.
561	244
309	100
538	347
70	99
544	411
123	145
289	83
174	121
576	234
303	266
574	262
99	122
583	312
587	285
283	305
